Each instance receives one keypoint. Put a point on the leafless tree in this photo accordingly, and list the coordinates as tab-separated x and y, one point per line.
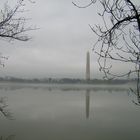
12	24
118	37
12	27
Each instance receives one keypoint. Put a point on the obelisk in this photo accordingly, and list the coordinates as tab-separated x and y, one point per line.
88	66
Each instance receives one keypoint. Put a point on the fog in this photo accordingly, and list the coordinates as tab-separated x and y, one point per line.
58	48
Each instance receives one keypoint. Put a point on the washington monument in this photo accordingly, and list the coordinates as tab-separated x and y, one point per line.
88	66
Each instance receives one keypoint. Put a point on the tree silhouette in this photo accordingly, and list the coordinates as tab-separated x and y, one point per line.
12	27
118	37
12	24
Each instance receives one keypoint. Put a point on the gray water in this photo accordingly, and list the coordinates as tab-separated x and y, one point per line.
69	112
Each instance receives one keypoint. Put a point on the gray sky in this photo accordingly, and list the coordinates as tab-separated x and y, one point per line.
58	48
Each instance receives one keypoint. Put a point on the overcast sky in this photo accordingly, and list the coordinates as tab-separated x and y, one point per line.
58	49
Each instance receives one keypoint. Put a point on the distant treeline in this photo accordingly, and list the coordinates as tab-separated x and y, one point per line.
65	80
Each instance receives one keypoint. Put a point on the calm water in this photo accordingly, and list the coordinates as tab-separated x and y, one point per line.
69	112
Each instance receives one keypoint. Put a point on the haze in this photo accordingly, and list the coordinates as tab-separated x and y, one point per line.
58	48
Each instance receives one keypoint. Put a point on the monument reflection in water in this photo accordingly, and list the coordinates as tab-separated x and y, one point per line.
87	103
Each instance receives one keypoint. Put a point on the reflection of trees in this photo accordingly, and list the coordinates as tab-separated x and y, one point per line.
3	108
136	99
10	137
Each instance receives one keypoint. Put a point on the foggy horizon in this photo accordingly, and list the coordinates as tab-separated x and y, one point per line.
58	48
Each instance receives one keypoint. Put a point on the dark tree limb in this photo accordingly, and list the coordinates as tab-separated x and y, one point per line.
13	26
118	40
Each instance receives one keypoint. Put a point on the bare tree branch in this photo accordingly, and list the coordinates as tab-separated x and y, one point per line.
118	39
12	26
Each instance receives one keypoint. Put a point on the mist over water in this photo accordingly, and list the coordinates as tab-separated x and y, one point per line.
69	112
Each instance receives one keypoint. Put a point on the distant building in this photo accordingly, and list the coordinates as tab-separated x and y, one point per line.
88	66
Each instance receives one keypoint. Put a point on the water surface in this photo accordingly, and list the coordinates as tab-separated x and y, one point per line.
69	112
